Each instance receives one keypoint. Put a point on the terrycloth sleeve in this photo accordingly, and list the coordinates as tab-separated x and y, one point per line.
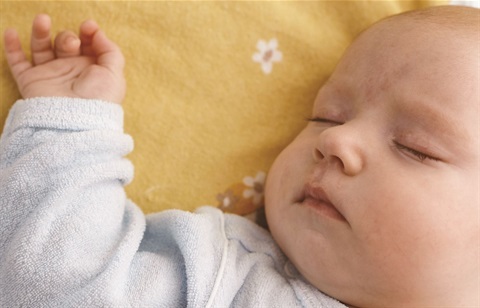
66	224
69	237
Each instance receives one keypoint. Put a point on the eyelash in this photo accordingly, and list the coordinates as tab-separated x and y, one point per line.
420	156
323	120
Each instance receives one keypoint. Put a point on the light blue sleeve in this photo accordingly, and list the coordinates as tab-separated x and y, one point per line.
66	225
69	237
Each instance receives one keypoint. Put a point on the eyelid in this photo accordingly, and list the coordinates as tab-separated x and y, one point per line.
420	155
324	120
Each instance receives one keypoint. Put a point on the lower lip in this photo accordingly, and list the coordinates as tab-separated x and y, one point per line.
323	208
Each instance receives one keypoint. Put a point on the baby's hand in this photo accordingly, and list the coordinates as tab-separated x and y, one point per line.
85	66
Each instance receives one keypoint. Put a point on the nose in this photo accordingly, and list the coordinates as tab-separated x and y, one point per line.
340	146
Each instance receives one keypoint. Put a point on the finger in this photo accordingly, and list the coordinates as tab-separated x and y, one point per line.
41	43
107	52
96	44
87	30
17	61
67	44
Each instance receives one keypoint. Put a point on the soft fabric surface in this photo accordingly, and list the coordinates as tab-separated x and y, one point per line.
70	237
215	89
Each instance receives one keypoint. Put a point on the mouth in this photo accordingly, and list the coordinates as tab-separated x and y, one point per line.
315	198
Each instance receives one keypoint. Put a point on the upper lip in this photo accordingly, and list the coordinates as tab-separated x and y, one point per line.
315	191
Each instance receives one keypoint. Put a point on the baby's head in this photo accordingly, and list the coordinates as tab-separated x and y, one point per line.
377	200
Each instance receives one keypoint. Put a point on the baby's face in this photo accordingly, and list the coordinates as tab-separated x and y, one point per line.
377	200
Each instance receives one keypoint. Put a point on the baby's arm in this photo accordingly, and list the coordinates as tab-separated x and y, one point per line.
66	226
69	237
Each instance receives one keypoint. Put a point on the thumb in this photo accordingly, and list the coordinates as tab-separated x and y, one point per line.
107	52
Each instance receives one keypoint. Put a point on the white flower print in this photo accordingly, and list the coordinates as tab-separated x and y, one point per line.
256	187
267	54
227	200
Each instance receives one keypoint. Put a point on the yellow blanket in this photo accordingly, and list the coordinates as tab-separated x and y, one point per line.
215	89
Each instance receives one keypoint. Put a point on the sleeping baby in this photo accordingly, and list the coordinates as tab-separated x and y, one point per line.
374	204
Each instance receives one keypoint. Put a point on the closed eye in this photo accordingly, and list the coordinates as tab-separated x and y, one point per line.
323	120
418	155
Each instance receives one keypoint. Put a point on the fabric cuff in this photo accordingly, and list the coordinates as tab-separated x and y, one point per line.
65	113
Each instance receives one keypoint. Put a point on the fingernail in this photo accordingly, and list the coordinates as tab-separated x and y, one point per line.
71	40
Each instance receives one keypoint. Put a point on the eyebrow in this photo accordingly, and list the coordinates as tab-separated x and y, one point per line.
434	119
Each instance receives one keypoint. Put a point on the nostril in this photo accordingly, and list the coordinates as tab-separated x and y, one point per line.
317	155
332	159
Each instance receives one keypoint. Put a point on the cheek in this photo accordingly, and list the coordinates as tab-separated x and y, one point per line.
402	218
420	228
276	194
285	182
288	172
278	185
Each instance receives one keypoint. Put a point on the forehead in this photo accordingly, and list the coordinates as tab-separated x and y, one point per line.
396	58
430	76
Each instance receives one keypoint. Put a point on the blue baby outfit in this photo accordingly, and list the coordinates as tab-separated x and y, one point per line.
69	237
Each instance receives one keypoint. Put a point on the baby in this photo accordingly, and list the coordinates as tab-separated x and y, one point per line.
375	203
